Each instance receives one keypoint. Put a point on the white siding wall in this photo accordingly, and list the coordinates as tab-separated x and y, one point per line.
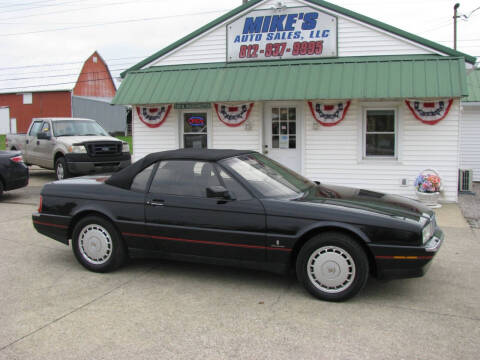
332	154
470	140
147	140
226	137
354	39
167	136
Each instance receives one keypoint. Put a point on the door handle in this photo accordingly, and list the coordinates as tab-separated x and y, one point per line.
38	142
155	202
27	141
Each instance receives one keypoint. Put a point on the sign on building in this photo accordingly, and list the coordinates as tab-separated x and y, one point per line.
286	33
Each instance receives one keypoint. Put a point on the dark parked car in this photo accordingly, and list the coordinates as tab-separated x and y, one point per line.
13	171
240	208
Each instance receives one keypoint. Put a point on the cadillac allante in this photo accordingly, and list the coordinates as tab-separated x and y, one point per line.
240	208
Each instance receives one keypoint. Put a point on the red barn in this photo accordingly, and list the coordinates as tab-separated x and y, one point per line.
47	91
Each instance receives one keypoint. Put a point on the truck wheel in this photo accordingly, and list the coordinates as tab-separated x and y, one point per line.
61	169
332	266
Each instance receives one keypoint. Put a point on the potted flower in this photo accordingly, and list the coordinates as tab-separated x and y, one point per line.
428	186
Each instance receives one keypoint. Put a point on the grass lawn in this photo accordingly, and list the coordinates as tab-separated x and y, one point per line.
128	139
2	142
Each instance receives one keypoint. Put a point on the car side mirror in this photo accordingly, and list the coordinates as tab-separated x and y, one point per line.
219	191
43	135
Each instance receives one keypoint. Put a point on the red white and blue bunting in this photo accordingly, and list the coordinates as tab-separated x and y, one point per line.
233	115
329	114
429	112
153	116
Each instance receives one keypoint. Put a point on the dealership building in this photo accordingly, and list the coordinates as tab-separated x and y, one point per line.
337	96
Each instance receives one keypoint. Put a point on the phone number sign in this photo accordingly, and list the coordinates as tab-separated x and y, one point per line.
288	33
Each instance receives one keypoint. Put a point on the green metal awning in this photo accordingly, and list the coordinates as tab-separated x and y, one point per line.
473	83
387	77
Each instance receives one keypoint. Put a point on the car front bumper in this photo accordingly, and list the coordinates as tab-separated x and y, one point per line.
394	262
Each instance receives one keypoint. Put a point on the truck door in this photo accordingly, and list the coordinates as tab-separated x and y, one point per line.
44	148
29	152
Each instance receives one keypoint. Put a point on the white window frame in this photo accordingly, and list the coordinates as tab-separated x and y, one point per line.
27	98
364	134
209	125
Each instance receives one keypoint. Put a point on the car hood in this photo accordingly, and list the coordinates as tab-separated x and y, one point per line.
380	203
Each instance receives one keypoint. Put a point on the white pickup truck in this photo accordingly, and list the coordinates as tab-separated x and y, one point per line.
71	146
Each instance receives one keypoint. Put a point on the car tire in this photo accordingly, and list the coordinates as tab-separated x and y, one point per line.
1	188
332	266
61	169
97	244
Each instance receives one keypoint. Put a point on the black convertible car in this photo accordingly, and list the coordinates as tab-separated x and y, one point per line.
240	208
13	171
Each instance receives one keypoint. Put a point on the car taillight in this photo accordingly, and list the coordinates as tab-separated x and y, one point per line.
40	204
17	159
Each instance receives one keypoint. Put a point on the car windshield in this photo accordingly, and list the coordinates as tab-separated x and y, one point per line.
267	176
77	128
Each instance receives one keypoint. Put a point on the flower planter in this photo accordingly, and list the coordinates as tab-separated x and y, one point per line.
429	199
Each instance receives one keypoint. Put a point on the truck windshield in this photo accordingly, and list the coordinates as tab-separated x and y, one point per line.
77	128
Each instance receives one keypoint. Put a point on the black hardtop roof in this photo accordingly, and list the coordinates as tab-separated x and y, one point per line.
124	177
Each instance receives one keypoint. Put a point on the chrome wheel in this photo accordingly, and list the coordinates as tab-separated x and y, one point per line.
331	269
60	171
95	244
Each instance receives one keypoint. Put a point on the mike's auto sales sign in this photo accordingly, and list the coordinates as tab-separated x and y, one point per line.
285	33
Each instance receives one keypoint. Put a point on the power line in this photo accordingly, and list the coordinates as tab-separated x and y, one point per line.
111	23
76	9
52	84
64	75
37	7
68	63
25	4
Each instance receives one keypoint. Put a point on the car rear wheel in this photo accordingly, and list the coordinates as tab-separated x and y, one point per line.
97	245
61	169
332	266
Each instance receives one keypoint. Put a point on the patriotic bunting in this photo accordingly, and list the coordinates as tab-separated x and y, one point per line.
329	114
153	116
429	112
233	115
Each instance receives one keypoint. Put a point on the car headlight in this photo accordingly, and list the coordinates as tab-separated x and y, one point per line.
126	147
428	230
77	149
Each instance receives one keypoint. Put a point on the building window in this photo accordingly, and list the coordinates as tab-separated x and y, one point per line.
195	130
380	133
27	98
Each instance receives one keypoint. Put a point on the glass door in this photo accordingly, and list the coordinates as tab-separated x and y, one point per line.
195	130
283	136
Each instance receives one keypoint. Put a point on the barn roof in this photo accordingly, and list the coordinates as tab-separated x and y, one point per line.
41	78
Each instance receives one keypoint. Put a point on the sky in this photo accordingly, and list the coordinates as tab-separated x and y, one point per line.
44	32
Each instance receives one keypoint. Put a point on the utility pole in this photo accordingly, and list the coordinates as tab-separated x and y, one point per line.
455	16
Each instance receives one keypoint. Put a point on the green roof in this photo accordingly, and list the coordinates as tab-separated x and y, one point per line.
417	39
386	77
473	83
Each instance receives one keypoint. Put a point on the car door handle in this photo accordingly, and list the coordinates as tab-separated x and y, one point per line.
27	141
38	142
155	202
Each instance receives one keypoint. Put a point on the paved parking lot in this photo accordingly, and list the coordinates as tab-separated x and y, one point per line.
51	308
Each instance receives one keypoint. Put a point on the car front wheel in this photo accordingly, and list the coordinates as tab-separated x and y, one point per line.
97	244
332	266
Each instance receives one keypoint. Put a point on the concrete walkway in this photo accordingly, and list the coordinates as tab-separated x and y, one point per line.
470	206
